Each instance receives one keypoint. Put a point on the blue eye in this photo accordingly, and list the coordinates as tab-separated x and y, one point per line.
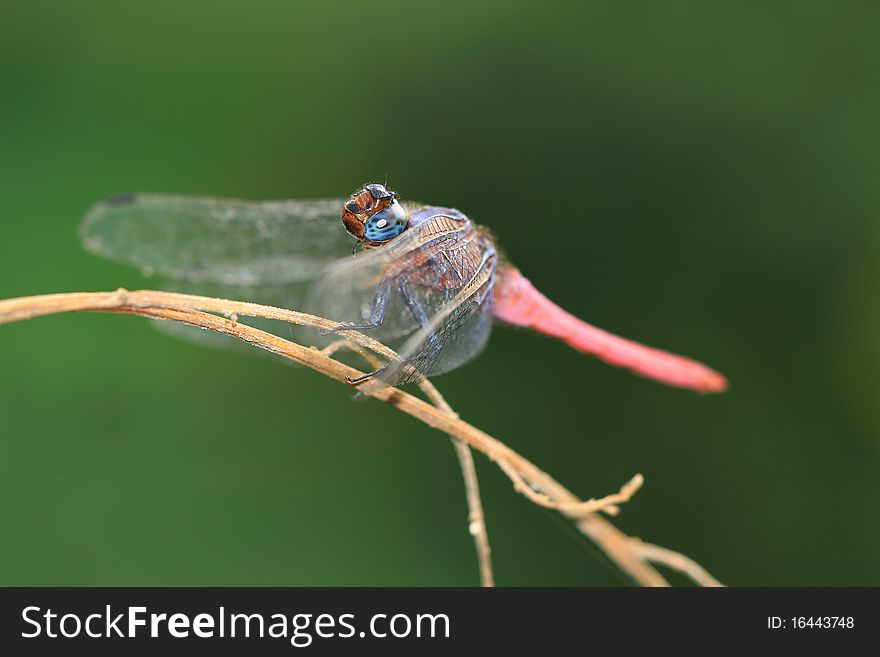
386	225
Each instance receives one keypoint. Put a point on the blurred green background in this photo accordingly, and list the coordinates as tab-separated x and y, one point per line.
701	177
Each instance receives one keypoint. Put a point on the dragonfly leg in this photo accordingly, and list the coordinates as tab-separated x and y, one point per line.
368	375
377	312
420	316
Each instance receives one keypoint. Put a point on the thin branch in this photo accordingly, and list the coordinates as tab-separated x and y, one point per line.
607	504
630	555
476	517
676	561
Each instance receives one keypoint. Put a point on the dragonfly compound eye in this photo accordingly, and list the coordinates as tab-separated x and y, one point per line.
386	224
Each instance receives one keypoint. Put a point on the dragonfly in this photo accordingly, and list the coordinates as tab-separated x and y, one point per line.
424	279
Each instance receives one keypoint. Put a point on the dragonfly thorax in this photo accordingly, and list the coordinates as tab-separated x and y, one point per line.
374	215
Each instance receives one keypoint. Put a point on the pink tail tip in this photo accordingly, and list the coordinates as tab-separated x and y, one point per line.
517	302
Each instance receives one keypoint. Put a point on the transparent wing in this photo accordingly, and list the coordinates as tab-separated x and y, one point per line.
265	252
224	241
454	335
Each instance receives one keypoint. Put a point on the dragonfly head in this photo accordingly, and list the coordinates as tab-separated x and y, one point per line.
373	215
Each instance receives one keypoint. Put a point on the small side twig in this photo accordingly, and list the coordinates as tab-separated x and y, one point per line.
607	504
631	555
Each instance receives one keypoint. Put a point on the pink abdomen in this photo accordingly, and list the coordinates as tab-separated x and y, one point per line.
517	302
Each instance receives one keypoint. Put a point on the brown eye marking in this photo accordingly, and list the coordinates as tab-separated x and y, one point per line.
353	207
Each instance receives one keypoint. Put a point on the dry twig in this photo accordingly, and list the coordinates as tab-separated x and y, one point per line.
630	554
